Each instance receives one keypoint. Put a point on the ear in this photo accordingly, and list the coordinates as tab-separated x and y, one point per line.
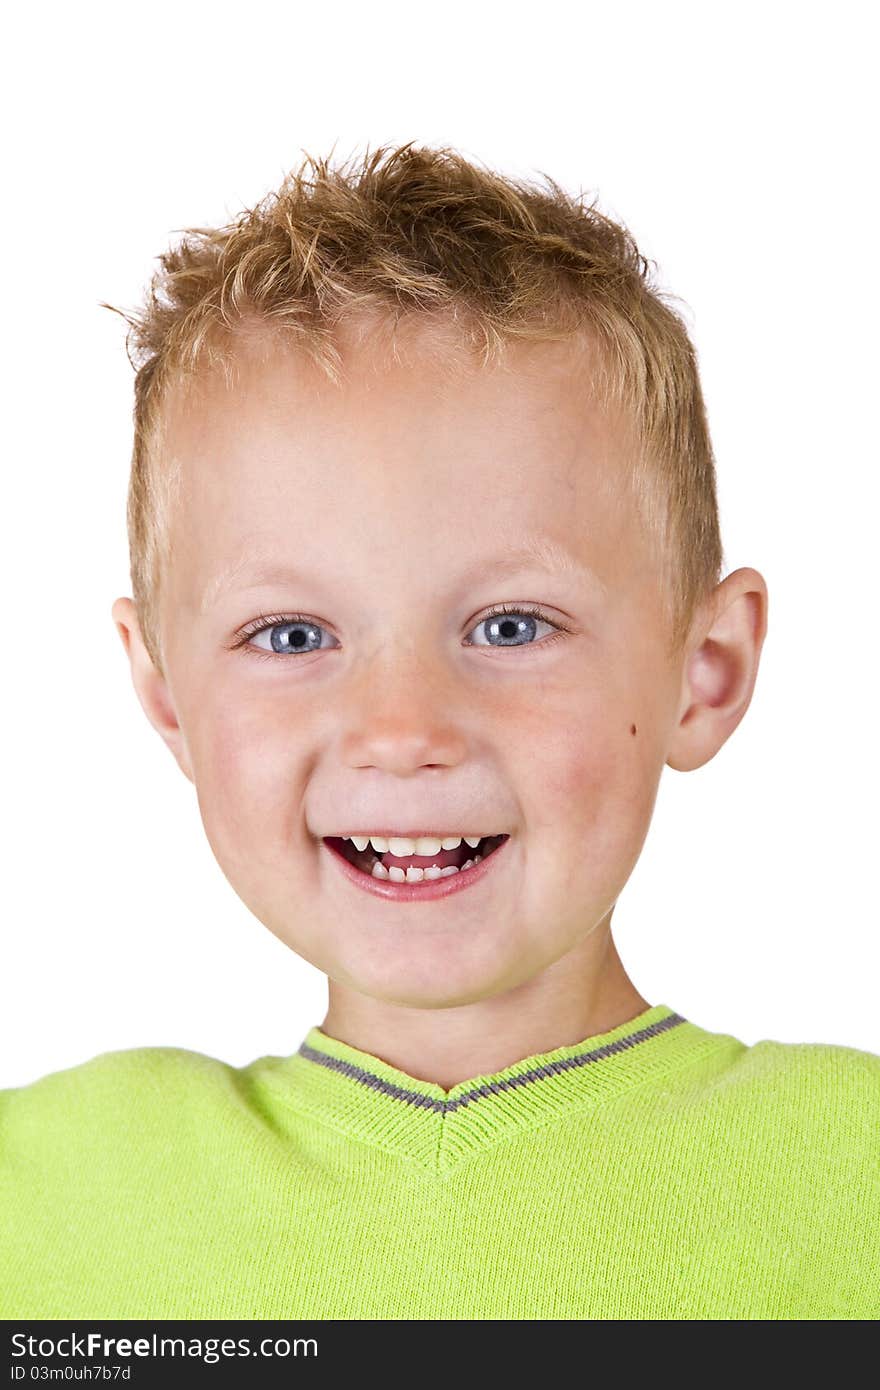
151	687
720	671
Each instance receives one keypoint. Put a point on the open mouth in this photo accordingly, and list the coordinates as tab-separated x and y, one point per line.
414	868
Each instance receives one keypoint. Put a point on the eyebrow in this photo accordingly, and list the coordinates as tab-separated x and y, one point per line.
534	554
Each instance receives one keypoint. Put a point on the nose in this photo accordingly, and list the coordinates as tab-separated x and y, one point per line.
403	713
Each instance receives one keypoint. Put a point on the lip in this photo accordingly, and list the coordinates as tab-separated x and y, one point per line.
416	892
388	834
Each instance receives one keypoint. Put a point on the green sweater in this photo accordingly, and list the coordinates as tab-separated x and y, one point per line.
655	1171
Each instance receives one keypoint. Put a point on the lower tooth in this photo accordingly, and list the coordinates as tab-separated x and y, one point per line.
414	875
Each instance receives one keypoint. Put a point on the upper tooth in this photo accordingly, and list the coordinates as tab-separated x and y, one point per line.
425	845
400	846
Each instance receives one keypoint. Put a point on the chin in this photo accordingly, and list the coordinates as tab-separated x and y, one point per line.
439	979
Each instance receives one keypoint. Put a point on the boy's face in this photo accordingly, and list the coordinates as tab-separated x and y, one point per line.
398	503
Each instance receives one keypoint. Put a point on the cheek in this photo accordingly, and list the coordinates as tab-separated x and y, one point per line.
579	753
592	773
248	769
592	782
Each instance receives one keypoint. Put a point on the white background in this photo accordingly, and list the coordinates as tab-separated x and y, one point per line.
738	144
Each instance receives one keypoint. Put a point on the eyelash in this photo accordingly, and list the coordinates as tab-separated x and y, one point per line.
270	620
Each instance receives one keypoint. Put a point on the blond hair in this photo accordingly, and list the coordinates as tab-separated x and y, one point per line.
416	231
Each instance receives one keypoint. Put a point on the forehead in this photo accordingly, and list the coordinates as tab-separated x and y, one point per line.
418	461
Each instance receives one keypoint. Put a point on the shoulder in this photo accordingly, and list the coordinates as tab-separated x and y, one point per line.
807	1072
147	1082
819	1100
129	1063
824	1080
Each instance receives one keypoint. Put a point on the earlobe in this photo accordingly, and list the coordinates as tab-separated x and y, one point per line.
720	672
151	687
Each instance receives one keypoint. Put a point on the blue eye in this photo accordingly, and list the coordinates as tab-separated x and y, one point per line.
505	627
295	634
287	634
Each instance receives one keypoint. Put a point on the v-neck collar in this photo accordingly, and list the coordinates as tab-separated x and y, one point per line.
366	1098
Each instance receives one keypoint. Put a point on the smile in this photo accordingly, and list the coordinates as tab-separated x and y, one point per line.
418	881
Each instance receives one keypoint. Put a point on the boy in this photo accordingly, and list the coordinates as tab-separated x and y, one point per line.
425	559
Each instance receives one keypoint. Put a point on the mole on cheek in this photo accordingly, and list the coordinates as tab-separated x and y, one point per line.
632	728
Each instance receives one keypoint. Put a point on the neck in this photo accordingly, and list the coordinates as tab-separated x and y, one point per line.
586	993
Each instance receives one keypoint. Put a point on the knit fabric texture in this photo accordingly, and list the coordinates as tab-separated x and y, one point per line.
658	1170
